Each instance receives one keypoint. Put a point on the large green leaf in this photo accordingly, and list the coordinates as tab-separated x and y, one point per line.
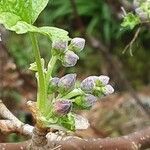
17	15
27	10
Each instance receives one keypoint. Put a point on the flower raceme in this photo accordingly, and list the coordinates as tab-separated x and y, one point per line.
64	94
97	85
83	97
67	53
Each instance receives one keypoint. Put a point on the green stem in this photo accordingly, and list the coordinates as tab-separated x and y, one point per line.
41	94
50	68
74	93
51	65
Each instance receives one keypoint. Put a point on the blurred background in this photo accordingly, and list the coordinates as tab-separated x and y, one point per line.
98	21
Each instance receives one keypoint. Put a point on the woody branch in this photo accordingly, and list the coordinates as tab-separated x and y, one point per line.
135	141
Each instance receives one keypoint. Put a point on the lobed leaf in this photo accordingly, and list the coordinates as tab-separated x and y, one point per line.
27	10
17	15
21	27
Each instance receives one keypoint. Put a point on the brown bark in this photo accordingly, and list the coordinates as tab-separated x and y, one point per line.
136	141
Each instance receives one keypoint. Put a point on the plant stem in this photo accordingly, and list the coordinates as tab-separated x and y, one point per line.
51	65
50	68
41	94
75	92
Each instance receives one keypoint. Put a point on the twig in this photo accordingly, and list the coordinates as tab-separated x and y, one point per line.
11	123
6	114
132	41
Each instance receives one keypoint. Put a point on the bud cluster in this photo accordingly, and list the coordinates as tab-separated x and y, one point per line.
67	53
97	85
78	98
62	85
67	96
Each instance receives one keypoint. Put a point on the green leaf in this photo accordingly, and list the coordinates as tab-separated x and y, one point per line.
21	27
67	122
37	7
17	15
27	10
52	32
130	21
20	8
64	123
6	21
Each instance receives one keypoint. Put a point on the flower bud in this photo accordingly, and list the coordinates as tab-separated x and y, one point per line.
67	83
77	44
88	84
108	89
53	85
62	107
69	59
59	47
104	79
89	100
84	102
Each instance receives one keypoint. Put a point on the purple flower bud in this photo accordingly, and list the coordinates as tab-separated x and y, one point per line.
67	83
90	100
88	84
59	46
62	107
69	59
77	44
108	89
104	79
53	85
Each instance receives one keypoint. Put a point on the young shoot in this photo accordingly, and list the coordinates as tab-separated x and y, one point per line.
57	97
